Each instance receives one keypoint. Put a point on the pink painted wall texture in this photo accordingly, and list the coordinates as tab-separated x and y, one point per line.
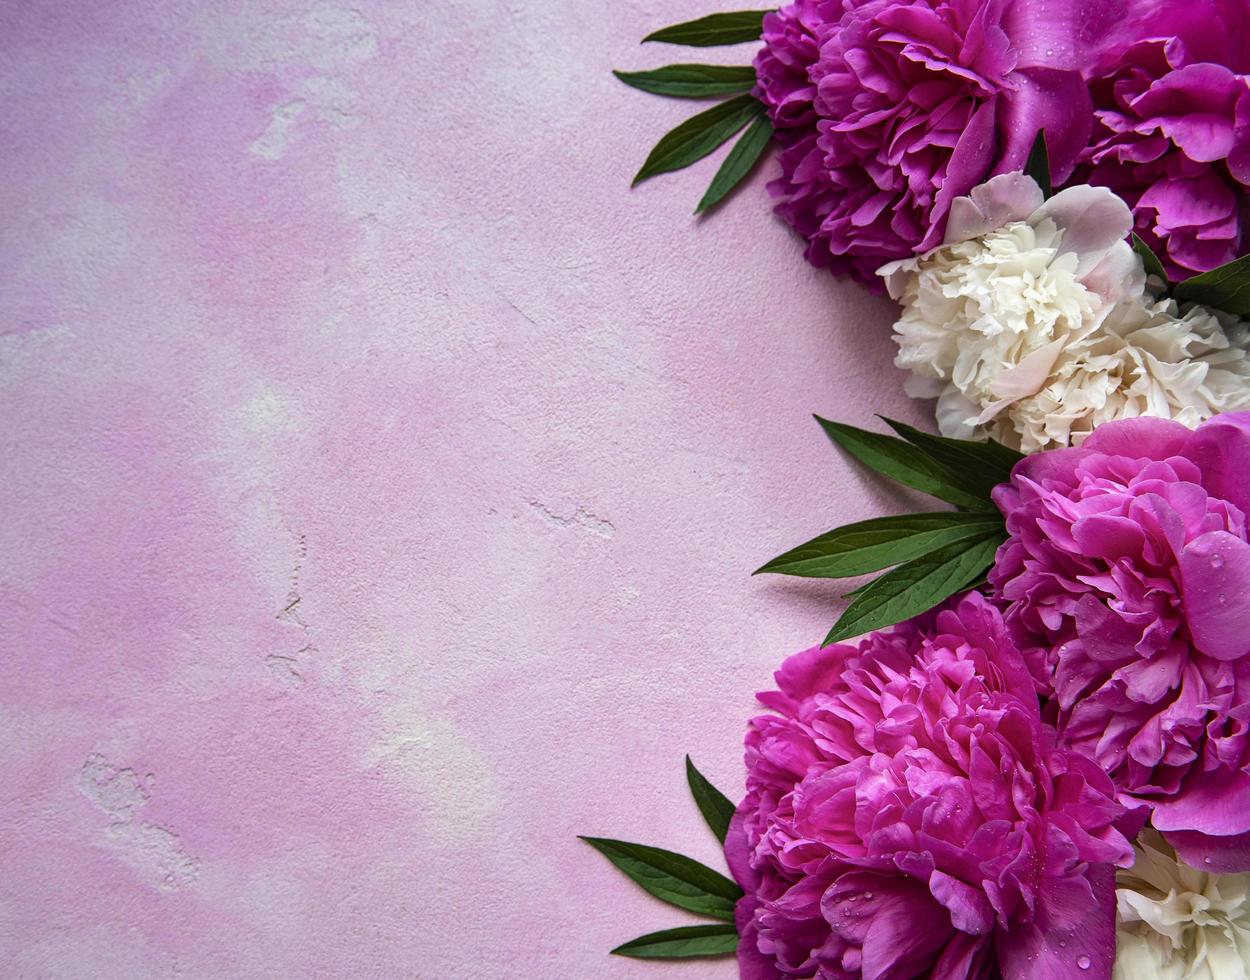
380	482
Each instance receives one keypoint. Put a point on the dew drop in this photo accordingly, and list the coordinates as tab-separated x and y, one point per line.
1083	962
1217	561
1222	599
867	896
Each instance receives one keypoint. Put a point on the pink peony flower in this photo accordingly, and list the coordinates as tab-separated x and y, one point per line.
1173	131
908	814
1125	582
890	110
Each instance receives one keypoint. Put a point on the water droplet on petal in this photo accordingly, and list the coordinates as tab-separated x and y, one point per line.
1217	561
1083	962
867	896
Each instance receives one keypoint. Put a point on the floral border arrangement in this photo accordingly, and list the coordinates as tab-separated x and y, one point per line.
1023	749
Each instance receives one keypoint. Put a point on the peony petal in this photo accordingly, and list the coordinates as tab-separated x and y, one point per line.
1218	855
1051	101
738	850
970	911
1221	450
752	964
1073	937
1136	438
1027	377
965	958
999	201
967	167
1215	803
1093	220
1215	585
803	674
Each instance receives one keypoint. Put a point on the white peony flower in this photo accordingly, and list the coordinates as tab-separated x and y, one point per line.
1174	922
1031	324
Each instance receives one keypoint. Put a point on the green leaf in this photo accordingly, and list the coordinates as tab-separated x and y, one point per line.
698	136
716	807
1151	261
672	878
869	546
683	943
1038	165
1226	288
691	81
739	161
906	464
917	587
979	466
715	29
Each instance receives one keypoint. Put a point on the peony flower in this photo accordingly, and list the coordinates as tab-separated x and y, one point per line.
889	110
1172	135
908	815
1031	325
1124	581
1178	923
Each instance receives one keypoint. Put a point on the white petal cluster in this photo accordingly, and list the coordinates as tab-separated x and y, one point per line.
1032	324
1174	922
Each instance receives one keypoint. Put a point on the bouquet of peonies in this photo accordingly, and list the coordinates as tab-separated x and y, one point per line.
1033	759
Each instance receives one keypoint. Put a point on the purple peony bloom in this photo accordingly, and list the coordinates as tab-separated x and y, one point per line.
908	814
1173	130
889	110
1126	584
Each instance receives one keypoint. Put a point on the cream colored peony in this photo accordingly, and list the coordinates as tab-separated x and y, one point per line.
1176	923
1032	324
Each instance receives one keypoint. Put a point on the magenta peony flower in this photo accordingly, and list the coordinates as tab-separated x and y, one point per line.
1125	582
909	815
889	110
1173	131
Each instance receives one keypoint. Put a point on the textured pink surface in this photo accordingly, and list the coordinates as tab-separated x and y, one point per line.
380	480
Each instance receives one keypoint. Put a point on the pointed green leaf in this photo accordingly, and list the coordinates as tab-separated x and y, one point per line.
716	807
978	466
683	943
739	162
735	27
869	546
1154	267
691	81
1038	165
917	587
905	463
1226	288
698	136
672	878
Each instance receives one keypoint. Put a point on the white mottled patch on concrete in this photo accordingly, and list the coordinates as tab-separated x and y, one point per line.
156	852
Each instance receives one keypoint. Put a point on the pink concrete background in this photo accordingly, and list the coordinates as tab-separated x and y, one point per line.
380	481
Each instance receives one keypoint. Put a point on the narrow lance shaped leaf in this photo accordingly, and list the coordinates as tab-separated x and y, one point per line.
904	463
734	27
691	81
1038	165
698	136
1226	288
739	162
716	807
869	546
1149	260
916	587
683	943
672	878
978	466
